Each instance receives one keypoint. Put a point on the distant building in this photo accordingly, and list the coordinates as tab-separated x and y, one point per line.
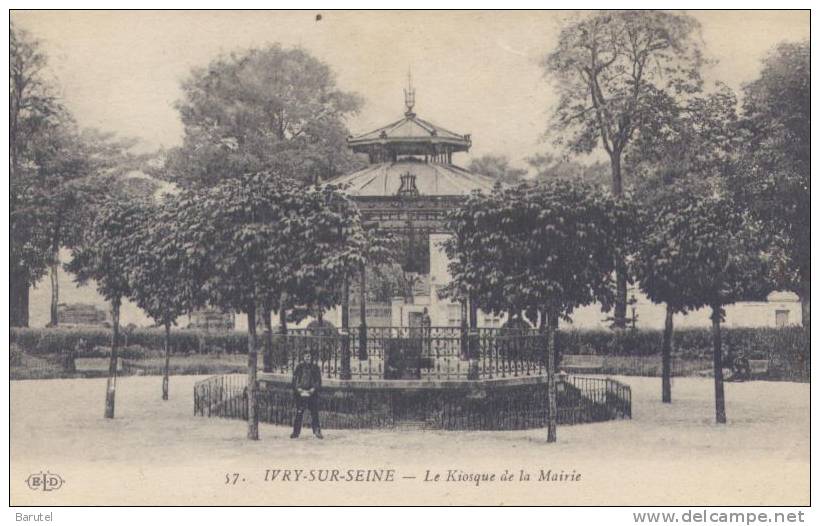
212	320
781	309
81	314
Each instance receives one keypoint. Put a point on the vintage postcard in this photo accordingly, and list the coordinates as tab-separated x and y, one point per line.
410	258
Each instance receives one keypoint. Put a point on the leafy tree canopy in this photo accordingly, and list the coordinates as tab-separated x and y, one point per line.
613	70
551	245
159	270
335	247
259	238
33	110
774	175
58	172
700	138
698	249
103	254
239	236
263	109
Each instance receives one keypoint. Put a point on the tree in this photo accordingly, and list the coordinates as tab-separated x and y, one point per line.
160	271
57	174
691	146
774	176
658	276
701	250
340	248
616	71
336	250
76	170
695	140
498	167
103	257
550	248
242	238
32	111
263	109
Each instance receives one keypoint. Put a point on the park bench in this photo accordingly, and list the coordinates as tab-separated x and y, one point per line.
95	365
581	363
758	368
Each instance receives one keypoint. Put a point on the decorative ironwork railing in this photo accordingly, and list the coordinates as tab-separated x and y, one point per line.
222	395
435	353
603	394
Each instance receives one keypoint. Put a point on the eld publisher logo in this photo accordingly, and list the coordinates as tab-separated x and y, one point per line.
44	481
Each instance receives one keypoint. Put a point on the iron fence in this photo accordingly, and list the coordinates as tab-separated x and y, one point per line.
520	406
223	395
611	396
433	353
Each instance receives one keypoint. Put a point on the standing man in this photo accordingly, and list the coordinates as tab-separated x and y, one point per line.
307	381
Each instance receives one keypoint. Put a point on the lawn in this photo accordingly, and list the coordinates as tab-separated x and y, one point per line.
157	452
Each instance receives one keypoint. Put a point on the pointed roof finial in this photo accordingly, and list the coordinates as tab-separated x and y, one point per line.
409	95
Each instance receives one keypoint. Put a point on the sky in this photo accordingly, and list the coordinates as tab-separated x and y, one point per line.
474	72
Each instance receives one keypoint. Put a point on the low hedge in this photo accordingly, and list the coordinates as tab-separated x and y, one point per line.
754	343
58	340
787	349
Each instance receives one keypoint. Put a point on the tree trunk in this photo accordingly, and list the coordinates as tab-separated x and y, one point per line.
666	358
345	372
556	355
720	400
620	266
19	296
552	388
253	416
165	371
54	269
615	165
619	315
54	266
805	307
473	312
111	385
282	355
267	358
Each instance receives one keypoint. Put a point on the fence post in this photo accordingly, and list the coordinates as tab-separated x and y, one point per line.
344	332
474	345
465	353
345	373
363	314
473	342
69	364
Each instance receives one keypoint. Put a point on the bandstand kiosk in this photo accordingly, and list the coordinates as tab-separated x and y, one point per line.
407	189
461	375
